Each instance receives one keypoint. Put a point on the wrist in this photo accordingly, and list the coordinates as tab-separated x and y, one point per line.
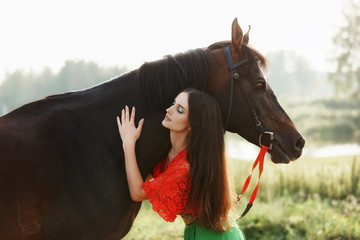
129	145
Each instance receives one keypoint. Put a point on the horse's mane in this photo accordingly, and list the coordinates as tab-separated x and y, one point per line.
160	81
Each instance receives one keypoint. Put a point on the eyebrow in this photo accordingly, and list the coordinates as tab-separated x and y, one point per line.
180	105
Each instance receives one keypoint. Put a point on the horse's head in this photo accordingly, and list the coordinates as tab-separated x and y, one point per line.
246	99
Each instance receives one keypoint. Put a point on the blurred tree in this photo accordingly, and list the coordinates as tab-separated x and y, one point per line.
19	87
76	75
12	91
291	75
346	41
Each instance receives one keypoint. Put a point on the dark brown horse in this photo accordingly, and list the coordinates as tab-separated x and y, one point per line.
62	170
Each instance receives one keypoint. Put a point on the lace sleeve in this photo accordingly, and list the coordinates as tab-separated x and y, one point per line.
168	192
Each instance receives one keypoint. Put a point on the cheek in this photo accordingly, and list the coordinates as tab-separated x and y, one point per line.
185	122
181	123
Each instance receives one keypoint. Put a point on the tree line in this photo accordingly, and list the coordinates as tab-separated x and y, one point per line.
20	87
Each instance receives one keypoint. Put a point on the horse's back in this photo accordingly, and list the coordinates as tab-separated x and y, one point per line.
58	175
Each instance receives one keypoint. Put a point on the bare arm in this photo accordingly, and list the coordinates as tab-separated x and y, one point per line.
129	135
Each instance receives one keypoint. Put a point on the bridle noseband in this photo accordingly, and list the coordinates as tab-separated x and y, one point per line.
265	137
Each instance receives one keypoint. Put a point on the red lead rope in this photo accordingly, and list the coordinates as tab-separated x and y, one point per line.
259	159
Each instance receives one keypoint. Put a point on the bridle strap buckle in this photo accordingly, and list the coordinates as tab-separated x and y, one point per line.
266	139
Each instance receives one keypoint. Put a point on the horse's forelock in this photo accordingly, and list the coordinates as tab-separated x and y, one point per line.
264	63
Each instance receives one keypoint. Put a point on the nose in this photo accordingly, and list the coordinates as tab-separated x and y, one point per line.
170	109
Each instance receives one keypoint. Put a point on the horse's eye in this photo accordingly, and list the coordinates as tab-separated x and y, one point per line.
259	85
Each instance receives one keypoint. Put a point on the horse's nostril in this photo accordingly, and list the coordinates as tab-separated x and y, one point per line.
300	143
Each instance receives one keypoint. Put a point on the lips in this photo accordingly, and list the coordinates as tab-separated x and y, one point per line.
278	154
167	118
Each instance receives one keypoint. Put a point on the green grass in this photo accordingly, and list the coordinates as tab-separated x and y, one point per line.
307	199
284	218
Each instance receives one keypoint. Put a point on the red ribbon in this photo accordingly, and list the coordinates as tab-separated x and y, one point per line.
260	160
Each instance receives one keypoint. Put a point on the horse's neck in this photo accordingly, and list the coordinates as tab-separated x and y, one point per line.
115	93
117	89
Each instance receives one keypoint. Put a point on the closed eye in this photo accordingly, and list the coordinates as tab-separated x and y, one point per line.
179	108
260	84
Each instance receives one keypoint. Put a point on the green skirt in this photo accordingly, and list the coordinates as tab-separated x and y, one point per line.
197	232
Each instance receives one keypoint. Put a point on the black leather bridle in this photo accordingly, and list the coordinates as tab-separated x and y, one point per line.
265	137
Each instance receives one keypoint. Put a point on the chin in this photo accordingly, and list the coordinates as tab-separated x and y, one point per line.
278	155
164	123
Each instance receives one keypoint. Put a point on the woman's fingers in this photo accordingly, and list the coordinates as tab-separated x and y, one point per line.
141	123
126	113
126	125
122	116
118	121
126	116
132	114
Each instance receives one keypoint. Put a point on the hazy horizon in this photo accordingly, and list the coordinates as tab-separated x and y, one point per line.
46	33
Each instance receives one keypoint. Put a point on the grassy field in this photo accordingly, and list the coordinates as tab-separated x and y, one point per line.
307	199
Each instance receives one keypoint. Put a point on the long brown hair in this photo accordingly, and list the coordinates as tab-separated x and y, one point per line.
206	154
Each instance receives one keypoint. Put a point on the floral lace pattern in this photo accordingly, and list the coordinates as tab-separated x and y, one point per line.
170	188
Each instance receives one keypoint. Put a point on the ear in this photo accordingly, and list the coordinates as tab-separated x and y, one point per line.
246	37
236	35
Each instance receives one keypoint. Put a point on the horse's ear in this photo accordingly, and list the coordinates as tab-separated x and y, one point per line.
236	35
246	36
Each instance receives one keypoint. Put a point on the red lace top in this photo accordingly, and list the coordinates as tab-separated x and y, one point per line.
170	188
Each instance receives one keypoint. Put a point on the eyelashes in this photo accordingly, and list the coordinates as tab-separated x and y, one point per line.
179	109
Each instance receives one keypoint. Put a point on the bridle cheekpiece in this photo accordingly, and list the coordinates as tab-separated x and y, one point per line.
265	137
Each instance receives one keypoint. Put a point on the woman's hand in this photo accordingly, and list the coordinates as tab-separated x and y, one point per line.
129	135
128	132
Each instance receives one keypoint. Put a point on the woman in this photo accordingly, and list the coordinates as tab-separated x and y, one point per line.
192	180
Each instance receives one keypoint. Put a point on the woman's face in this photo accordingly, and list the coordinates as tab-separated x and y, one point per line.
177	115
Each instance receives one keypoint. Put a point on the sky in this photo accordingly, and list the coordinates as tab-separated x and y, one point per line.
45	33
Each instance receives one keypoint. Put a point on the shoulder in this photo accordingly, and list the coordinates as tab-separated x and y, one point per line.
181	160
